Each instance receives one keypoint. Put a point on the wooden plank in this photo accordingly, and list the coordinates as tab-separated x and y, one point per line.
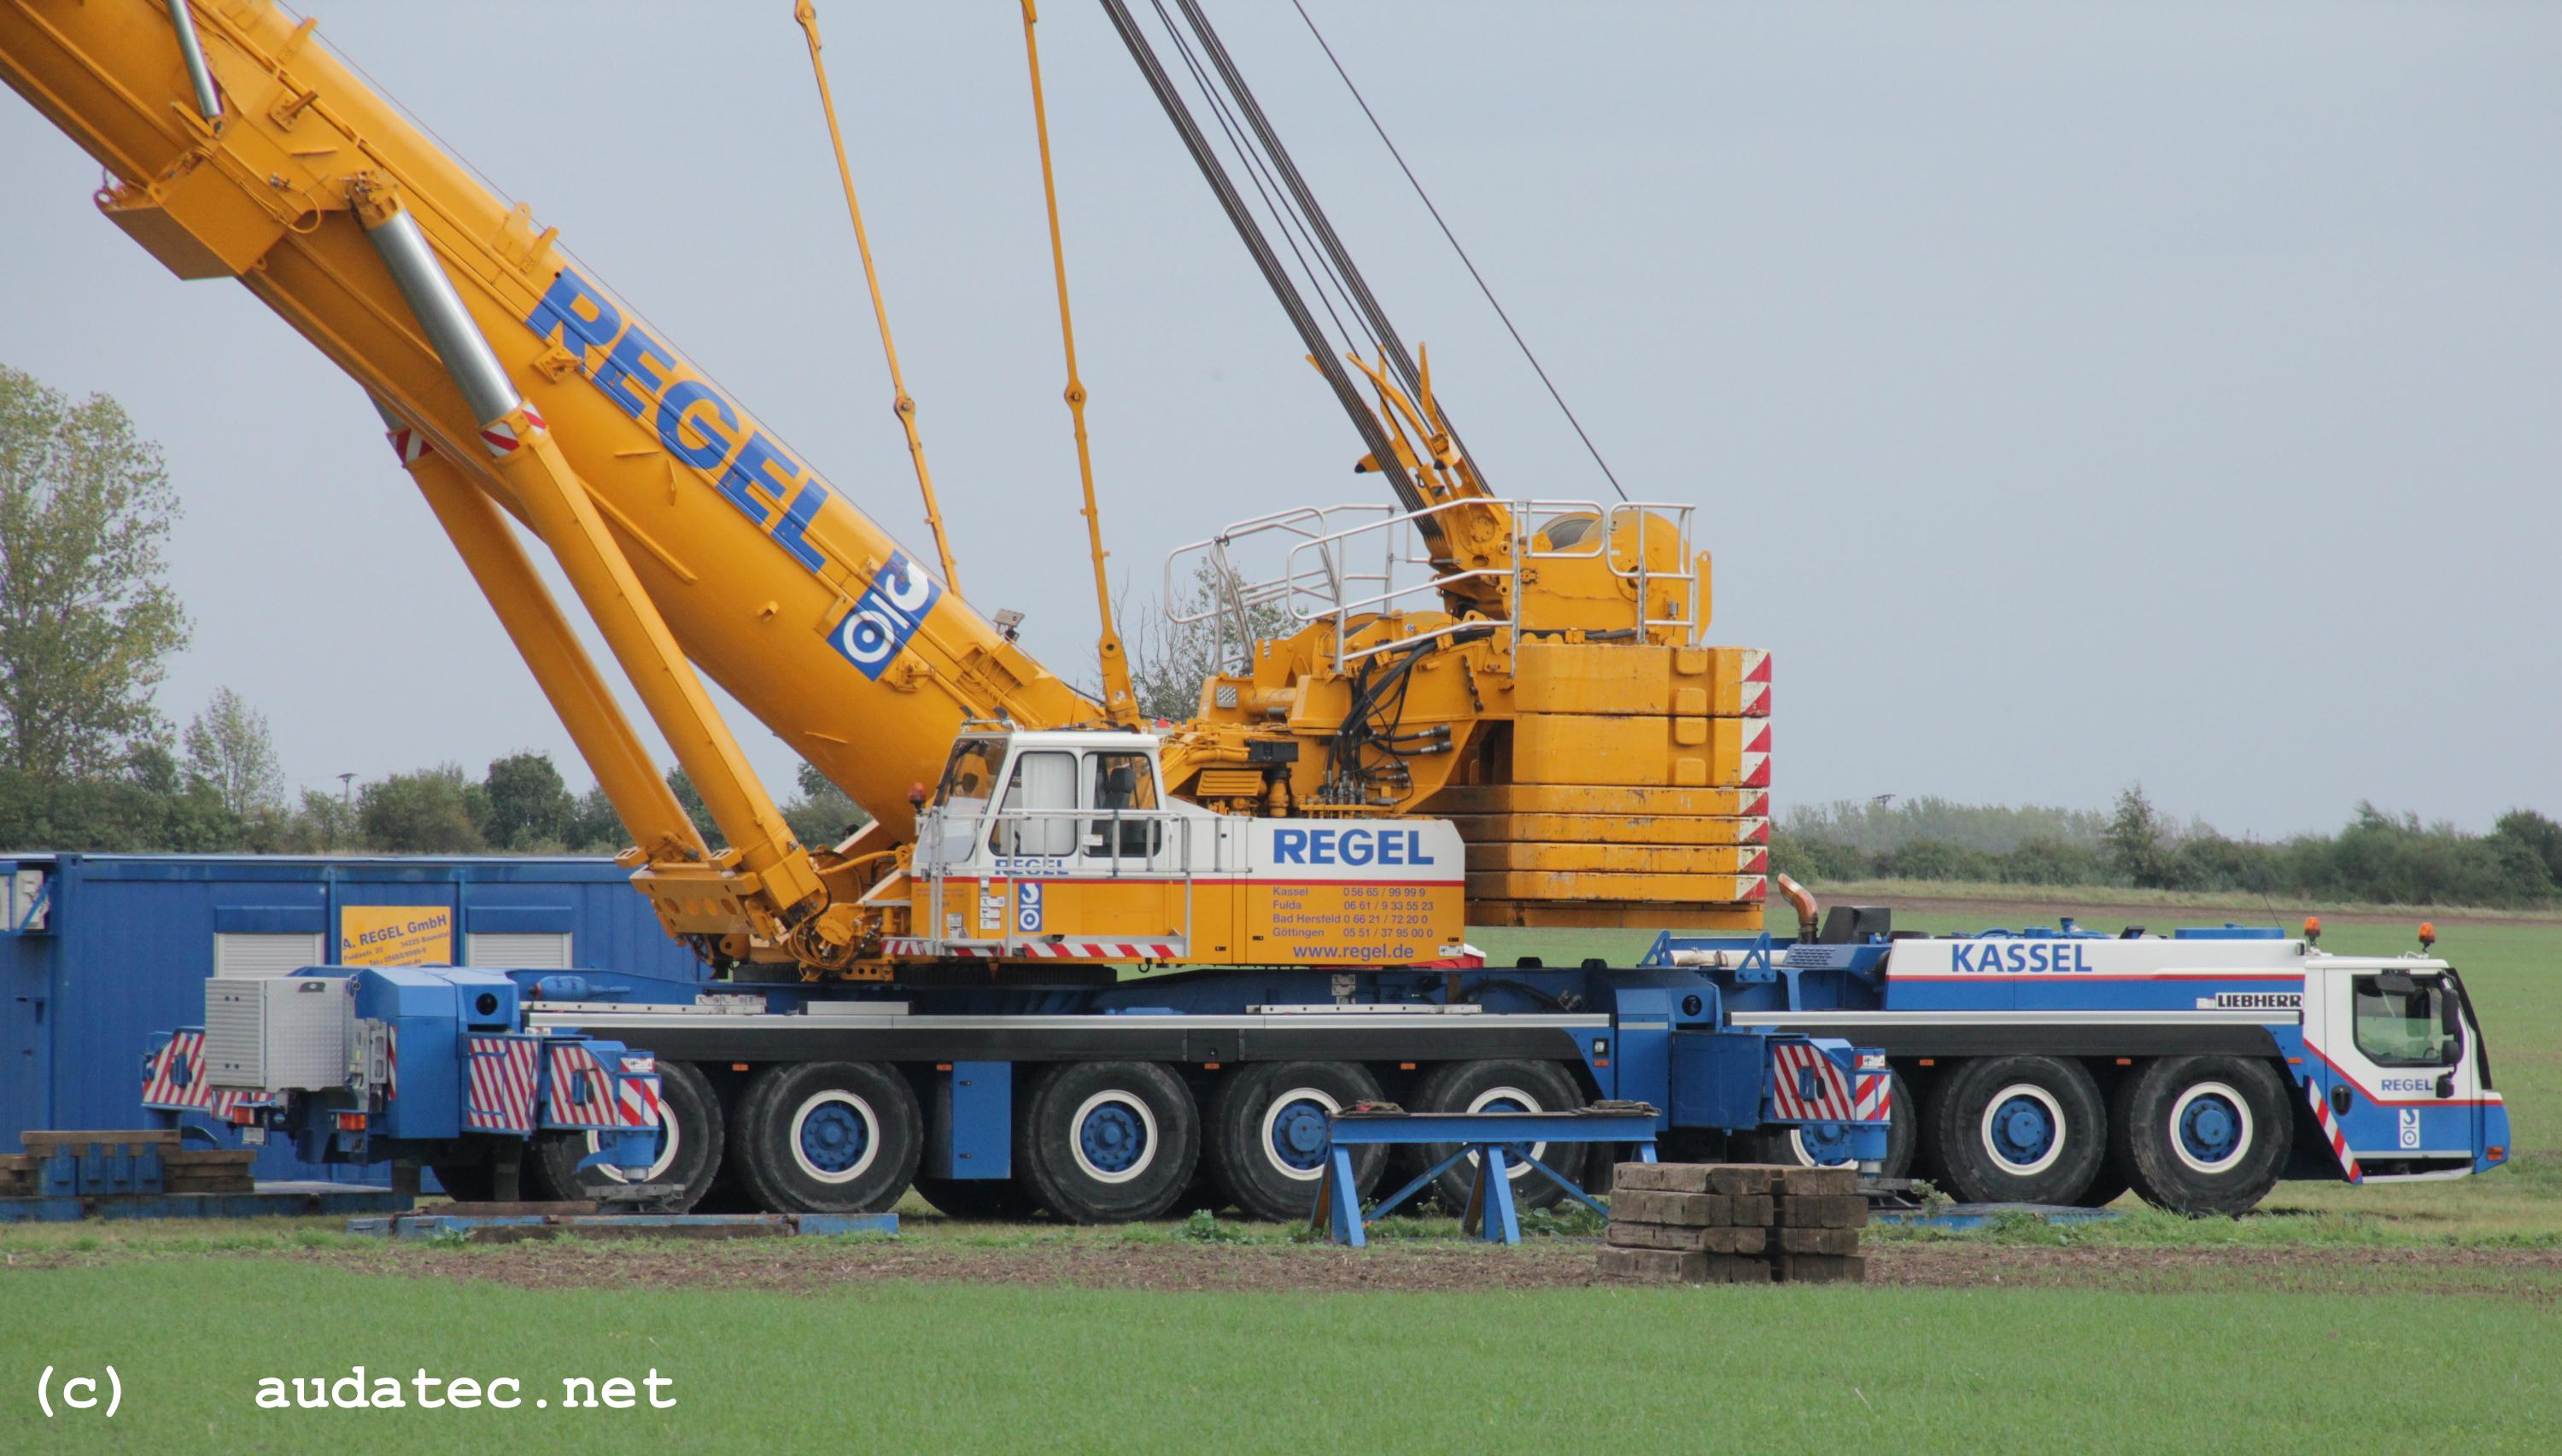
1817	1240
1742	1178
1815	1183
43	1143
1687	1210
1716	1240
1832	1212
1668	1178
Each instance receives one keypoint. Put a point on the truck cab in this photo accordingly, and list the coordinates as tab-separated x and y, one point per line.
2061	1065
2398	1071
1062	844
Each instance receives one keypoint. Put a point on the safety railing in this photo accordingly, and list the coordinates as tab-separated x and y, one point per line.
1324	572
1211	584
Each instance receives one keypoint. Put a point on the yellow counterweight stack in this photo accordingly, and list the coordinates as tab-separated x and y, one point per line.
1636	792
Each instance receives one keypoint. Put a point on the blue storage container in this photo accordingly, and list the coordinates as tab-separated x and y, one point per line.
98	952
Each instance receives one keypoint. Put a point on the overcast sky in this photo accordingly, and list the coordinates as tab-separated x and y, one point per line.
2075	395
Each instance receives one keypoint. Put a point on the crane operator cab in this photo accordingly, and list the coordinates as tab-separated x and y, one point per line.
1062	844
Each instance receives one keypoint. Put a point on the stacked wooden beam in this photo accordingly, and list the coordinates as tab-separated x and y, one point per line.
209	1170
105	1164
1735	1223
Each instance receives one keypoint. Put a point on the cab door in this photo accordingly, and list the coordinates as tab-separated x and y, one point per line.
1130	860
2394	1068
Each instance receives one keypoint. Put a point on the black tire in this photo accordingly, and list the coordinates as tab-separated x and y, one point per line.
977	1200
2203	1135
1498	1086
1902	1135
2020	1130
466	1182
833	1137
1107	1142
690	1152
1267	1135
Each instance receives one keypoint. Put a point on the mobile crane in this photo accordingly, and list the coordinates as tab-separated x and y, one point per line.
1522	729
1530	734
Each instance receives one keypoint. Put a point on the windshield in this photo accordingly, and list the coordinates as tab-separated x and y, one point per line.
962	798
970	774
2406	1021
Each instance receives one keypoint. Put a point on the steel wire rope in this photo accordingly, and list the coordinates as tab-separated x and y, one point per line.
1453	239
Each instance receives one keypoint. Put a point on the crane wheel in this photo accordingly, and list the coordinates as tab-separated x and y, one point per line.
833	1137
2020	1130
1107	1142
693	1133
1500	1086
1267	1135
2203	1135
1810	1147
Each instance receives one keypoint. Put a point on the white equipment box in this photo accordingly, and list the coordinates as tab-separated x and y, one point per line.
287	1034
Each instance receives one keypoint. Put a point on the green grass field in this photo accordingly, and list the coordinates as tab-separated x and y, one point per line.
2398	1319
959	1367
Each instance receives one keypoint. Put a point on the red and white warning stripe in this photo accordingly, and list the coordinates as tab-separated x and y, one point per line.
637	1094
2331	1130
175	1076
1065	950
500	434
1755	762
502	1085
1790	1062
174	1081
582	1094
409	445
1756	695
1876	1101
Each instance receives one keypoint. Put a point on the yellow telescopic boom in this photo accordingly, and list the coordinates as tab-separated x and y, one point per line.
692	535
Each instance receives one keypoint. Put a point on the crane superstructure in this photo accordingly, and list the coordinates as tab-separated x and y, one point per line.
1471	707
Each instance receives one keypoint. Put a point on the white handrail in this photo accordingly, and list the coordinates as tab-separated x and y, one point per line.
1318	581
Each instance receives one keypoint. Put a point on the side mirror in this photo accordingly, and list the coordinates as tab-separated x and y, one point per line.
2447	1084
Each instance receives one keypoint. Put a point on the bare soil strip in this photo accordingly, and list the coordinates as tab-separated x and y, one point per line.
2534	1275
784	1266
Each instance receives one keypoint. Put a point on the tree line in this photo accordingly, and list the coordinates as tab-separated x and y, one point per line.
2376	857
90	762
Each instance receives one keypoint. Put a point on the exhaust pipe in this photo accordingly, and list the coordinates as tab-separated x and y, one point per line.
1807	924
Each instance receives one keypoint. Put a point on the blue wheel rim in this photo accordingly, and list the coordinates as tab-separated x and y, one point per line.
1826	1144
2210	1129
834	1138
1113	1138
2023	1130
1299	1134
